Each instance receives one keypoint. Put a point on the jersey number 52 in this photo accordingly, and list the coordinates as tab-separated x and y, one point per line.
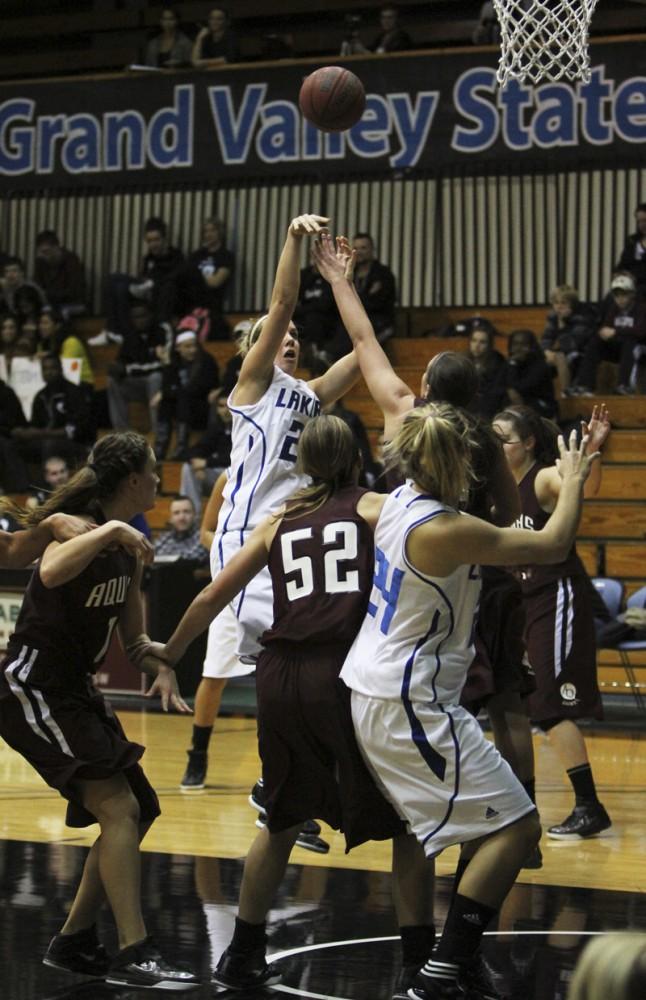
344	536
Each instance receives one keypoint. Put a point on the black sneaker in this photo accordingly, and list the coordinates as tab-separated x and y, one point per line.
141	965
81	952
195	773
433	989
481	981
244	970
405	981
257	796
534	859
583	821
308	837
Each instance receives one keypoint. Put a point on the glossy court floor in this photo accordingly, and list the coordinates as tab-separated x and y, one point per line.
332	928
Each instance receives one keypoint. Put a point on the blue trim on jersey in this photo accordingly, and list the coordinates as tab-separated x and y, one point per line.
247	513
456	787
238	478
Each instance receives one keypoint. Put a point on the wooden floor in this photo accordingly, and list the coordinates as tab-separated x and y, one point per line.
218	822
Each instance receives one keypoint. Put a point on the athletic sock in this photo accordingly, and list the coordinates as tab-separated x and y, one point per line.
417	943
247	937
583	784
201	737
465	924
530	788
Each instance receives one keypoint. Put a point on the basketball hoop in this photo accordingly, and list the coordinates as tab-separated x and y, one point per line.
544	39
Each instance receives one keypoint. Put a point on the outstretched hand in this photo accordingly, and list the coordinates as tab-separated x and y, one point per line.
165	685
334	263
308	225
597	428
575	460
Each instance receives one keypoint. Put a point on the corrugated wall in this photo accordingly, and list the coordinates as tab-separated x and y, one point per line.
460	240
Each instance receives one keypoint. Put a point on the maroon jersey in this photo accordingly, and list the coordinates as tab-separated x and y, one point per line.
321	564
63	633
534	518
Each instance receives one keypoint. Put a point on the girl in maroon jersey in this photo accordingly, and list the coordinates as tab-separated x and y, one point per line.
51	713
560	632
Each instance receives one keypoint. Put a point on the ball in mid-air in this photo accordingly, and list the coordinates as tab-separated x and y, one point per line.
332	98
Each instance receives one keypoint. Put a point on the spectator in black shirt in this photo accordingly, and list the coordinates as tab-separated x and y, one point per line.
215	44
170	48
13	474
208	274
61	417
491	369
567	331
633	255
391	38
623	328
316	314
529	377
60	274
158	283
137	373
183	399
376	287
13	280
212	453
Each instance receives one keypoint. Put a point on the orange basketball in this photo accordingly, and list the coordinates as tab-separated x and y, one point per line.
332	98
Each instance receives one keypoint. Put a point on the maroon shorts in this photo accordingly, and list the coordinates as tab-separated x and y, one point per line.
311	764
500	663
67	737
562	649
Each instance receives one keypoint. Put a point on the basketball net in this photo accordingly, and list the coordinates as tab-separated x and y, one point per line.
544	39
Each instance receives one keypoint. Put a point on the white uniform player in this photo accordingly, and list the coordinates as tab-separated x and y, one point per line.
262	475
406	670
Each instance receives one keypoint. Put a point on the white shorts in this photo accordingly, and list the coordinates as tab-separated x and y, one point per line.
221	659
438	770
254	606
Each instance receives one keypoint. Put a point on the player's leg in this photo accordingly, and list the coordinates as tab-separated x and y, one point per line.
588	816
413	898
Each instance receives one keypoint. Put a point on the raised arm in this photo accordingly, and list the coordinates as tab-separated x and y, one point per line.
258	366
393	397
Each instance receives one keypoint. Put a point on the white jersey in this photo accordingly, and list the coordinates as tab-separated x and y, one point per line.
264	436
416	642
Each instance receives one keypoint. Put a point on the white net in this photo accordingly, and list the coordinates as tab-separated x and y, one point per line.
544	39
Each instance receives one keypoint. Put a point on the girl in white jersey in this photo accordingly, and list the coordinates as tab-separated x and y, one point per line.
408	664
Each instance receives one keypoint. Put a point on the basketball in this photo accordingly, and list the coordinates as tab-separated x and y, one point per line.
332	98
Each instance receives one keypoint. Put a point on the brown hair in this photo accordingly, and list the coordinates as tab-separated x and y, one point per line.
528	423
328	453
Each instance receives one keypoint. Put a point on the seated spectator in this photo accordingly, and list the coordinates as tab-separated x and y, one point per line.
183	538
137	372
487	30
391	38
158	283
27	307
171	47
567	331
376	287
60	274
61	418
529	377
491	368
13	279
633	255
613	967
208	274
55	473
316	314
187	380
9	334
57	339
13	473
623	328
211	455
217	43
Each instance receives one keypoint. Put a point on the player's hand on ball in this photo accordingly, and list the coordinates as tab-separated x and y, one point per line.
308	225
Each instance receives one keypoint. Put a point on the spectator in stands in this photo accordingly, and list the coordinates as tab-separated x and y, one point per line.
183	537
622	330
633	255
9	333
491	368
316	314
56	338
529	377
208	274
13	279
171	47
567	331
55	473
376	287
27	305
13	474
137	372
60	274
487	30
61	418
210	456
217	43
161	271
182	401
391	38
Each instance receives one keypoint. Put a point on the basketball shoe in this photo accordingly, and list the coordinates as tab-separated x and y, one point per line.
310	835
141	965
81	952
245	970
584	821
195	773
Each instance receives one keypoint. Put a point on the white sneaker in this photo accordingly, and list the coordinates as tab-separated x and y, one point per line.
104	338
